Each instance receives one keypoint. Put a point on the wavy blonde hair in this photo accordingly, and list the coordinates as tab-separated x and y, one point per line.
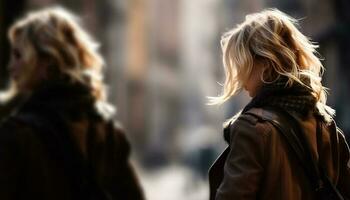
55	34
271	38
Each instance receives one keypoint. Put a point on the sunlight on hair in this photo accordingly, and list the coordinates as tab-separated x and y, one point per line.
54	33
272	38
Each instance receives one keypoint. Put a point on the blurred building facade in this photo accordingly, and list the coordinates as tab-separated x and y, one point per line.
163	59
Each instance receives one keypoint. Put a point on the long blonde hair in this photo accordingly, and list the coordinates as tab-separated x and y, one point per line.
55	34
271	37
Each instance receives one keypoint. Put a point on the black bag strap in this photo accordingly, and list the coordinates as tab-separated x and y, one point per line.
287	124
53	130
327	183
279	121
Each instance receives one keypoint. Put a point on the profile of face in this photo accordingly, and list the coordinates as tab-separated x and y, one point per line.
254	83
25	74
16	61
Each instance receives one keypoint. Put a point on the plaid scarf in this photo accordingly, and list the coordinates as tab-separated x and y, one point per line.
296	98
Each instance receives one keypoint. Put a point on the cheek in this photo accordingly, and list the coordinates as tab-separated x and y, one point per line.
248	85
26	79
15	67
253	84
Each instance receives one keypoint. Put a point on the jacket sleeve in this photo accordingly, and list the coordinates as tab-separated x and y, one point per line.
10	165
344	176
244	165
125	184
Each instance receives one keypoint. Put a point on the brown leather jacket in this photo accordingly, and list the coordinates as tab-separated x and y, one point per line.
28	170
258	164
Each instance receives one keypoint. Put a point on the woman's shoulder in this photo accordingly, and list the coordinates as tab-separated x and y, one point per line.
13	124
116	136
248	124
15	133
253	118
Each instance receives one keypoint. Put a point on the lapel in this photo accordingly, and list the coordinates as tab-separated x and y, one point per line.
216	173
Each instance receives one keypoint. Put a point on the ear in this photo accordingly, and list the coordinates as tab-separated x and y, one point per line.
267	73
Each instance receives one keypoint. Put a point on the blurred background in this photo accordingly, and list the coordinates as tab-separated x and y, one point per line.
163	58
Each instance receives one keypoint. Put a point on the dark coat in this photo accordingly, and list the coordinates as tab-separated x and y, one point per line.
258	163
28	170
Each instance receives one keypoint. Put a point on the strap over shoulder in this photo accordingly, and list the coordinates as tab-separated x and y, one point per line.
289	127
287	124
277	117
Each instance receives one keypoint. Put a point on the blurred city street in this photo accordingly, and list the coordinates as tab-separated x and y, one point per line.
163	59
174	182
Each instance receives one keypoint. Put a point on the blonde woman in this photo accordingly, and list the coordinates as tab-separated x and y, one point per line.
270	58
61	142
